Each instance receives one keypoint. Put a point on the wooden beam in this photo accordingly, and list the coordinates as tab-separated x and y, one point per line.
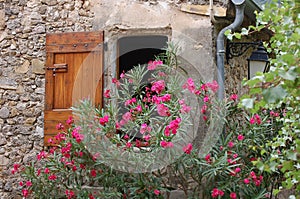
203	10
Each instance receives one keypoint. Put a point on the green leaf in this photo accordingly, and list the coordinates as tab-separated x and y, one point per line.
287	165
237	35
291	74
248	103
274	94
291	155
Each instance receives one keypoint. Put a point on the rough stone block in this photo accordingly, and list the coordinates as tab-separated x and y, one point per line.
37	66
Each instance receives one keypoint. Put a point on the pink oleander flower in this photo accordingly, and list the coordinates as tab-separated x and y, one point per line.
190	85
28	184
204	109
234	97
214	86
25	193
41	155
152	65
258	119
237	170
206	99
52	177
122	75
70	120
188	148
128	145
217	192
208	158
185	108
255	119
252	120
147	137
232	195
246	181
115	81
145	128
158	86
107	93
46	171
240	137
93	173
127	116
230	144
162	110
70	194
156	192
103	120
59	126
130	101
166	144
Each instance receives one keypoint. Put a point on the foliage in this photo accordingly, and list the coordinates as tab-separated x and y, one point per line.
124	149
279	89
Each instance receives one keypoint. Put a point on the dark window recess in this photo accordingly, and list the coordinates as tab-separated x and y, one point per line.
135	50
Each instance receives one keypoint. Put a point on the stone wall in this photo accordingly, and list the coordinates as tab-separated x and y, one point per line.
23	27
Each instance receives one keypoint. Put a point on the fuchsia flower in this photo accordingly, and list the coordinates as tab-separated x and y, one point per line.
52	177
206	99
208	158
255	119
152	65
126	117
41	155
234	97
188	148
122	75
28	184
246	181
128	145
93	173
147	137
145	128
156	192
230	144
240	137
214	86
46	171
59	126
70	120
162	110
107	93
190	85
172	127
158	86
217	192
130	101
70	194
103	120
232	195
25	193
166	144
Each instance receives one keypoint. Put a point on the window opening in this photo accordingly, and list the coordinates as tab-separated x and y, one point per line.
135	50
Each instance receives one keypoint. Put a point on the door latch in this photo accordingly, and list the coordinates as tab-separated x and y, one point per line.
58	68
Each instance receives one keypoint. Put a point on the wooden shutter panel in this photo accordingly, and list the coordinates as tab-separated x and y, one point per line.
74	71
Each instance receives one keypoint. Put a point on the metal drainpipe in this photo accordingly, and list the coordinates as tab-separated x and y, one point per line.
239	17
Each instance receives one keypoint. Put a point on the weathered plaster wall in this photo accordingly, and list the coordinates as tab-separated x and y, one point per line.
192	33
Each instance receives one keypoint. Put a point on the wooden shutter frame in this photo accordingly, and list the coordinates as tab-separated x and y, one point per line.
61	43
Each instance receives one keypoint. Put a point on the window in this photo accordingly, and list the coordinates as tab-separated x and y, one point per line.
134	50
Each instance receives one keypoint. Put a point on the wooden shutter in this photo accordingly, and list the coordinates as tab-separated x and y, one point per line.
74	71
